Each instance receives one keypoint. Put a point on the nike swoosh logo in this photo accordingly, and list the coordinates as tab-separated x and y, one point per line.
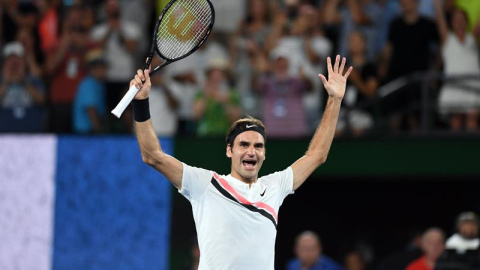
261	194
250	126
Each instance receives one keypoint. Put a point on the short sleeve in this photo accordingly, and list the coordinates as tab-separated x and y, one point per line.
283	181
286	183
195	182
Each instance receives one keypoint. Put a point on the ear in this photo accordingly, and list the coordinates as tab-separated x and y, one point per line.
229	151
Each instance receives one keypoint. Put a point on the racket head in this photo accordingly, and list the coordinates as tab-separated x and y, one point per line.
182	28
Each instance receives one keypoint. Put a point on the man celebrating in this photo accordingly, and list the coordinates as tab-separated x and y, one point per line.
236	215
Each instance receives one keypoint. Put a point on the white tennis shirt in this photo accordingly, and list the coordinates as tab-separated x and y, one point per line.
236	224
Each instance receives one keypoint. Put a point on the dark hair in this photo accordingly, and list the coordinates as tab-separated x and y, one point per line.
449	16
242	125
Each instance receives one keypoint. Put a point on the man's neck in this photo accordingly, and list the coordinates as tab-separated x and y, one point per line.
242	179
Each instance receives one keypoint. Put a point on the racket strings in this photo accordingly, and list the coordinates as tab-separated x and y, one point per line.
183	27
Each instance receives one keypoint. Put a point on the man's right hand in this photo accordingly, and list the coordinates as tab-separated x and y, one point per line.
142	81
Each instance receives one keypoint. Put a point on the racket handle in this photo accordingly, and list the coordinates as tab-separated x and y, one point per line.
123	104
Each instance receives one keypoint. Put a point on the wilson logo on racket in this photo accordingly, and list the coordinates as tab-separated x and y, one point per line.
181	27
180	30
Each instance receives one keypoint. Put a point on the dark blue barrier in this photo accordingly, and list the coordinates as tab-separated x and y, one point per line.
112	211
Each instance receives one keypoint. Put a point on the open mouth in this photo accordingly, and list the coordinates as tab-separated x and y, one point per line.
249	164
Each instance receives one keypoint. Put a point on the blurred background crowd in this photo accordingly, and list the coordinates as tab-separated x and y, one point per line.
66	64
430	249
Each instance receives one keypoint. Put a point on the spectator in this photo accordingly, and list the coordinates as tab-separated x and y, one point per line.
307	45
472	8
119	39
308	250
28	42
433	244
407	51
89	106
354	261
364	16
28	15
460	57
22	95
66	67
217	106
163	104
282	96
247	47
181	80
467	233
362	88
209	50
49	24
463	248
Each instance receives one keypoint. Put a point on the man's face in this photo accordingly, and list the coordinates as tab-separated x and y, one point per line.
247	154
468	229
409	5
308	250
433	245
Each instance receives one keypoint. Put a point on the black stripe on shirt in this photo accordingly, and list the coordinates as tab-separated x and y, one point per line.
248	206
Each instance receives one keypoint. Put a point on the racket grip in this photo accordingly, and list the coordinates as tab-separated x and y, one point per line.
123	104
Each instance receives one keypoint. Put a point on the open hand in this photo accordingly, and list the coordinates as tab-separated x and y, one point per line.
336	83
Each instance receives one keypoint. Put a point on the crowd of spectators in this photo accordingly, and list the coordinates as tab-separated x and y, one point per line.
65	65
429	250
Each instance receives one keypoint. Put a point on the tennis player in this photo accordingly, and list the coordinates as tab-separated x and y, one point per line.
236	215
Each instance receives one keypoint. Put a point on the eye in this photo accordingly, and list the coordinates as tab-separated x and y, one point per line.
259	146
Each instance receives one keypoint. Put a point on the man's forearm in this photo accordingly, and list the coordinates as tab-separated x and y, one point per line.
148	142
322	140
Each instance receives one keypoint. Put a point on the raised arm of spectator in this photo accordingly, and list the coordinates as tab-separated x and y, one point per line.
476	30
330	12
320	144
54	59
357	14
148	142
384	60
441	21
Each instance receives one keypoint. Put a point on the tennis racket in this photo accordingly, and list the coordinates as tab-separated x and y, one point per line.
182	28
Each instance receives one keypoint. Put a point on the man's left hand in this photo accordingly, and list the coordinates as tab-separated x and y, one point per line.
336	83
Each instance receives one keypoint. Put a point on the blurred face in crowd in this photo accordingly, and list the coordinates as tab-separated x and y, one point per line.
258	9
281	66
308	249
247	154
99	71
216	75
113	9
459	21
356	43
433	244
409	6
353	261
468	229
79	38
14	68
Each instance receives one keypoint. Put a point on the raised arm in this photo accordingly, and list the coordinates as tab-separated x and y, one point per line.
150	148
320	144
441	21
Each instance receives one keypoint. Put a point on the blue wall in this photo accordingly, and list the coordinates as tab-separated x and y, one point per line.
112	211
